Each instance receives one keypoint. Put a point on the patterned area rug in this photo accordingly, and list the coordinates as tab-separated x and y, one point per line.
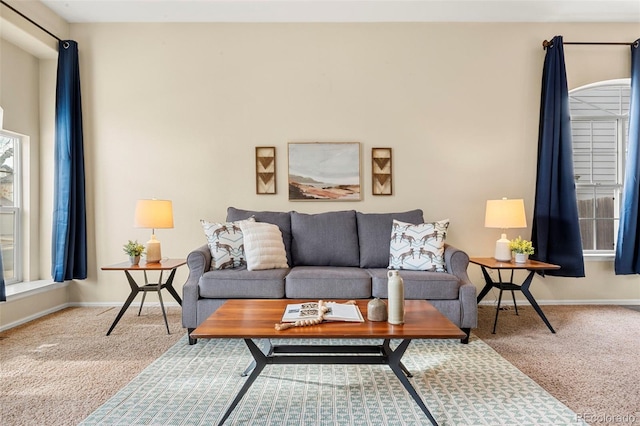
460	384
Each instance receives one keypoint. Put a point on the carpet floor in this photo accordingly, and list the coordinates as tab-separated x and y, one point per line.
591	363
59	369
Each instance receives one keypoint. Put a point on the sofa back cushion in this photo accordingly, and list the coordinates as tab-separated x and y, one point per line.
374	231
325	239
282	219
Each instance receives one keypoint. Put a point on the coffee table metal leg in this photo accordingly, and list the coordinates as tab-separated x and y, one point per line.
267	349
265	355
386	348
394	363
261	361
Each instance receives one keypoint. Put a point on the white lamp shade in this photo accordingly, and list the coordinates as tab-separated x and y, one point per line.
155	214
505	214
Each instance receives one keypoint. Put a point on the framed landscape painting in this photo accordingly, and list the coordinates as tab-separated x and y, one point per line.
327	171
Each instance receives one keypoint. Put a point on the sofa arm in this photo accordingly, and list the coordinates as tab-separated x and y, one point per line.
469	306
457	262
198	261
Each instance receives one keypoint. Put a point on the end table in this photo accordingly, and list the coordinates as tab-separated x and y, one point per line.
530	265
166	265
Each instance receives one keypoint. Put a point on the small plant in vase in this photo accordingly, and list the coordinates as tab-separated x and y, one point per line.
134	250
521	248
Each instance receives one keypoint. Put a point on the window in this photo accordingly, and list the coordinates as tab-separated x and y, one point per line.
599	126
10	185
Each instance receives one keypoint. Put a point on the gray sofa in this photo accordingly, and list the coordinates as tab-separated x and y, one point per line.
334	255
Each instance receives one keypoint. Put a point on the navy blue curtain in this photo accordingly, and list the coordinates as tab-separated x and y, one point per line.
69	245
555	229
628	246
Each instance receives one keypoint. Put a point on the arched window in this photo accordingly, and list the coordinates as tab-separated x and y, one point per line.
599	126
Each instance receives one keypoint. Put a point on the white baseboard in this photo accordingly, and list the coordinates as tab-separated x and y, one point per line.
33	317
507	301
119	304
81	305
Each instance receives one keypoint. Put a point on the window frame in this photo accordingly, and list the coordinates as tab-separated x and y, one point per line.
621	141
16	209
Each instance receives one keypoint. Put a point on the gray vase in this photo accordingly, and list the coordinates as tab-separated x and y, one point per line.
377	310
135	260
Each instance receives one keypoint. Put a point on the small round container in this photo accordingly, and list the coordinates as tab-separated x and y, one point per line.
376	310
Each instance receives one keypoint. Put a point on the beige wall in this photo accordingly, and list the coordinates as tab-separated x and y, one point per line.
175	110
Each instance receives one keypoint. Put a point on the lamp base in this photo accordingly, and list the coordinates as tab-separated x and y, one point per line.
503	252
154	254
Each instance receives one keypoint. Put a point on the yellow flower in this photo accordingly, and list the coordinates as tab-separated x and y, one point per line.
133	248
521	246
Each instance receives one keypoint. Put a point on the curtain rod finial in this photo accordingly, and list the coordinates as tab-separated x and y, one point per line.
546	44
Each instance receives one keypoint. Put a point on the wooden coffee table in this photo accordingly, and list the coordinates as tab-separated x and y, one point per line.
250	319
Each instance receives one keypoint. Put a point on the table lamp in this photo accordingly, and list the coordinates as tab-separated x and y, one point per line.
504	214
154	214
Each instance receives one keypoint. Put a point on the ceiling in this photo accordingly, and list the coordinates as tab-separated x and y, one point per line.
76	11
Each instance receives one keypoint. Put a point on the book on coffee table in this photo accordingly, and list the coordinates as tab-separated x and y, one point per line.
310	310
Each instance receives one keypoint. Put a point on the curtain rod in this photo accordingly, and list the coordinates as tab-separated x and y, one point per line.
30	20
547	43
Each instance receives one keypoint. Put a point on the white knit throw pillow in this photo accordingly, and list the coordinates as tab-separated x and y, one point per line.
263	246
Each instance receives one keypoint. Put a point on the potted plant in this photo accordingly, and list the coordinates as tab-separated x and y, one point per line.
521	248
134	250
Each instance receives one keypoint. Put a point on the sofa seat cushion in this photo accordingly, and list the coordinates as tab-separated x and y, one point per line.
418	284
241	283
374	232
328	282
325	239
281	219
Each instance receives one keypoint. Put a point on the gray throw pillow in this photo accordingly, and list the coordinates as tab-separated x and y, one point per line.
325	239
374	231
